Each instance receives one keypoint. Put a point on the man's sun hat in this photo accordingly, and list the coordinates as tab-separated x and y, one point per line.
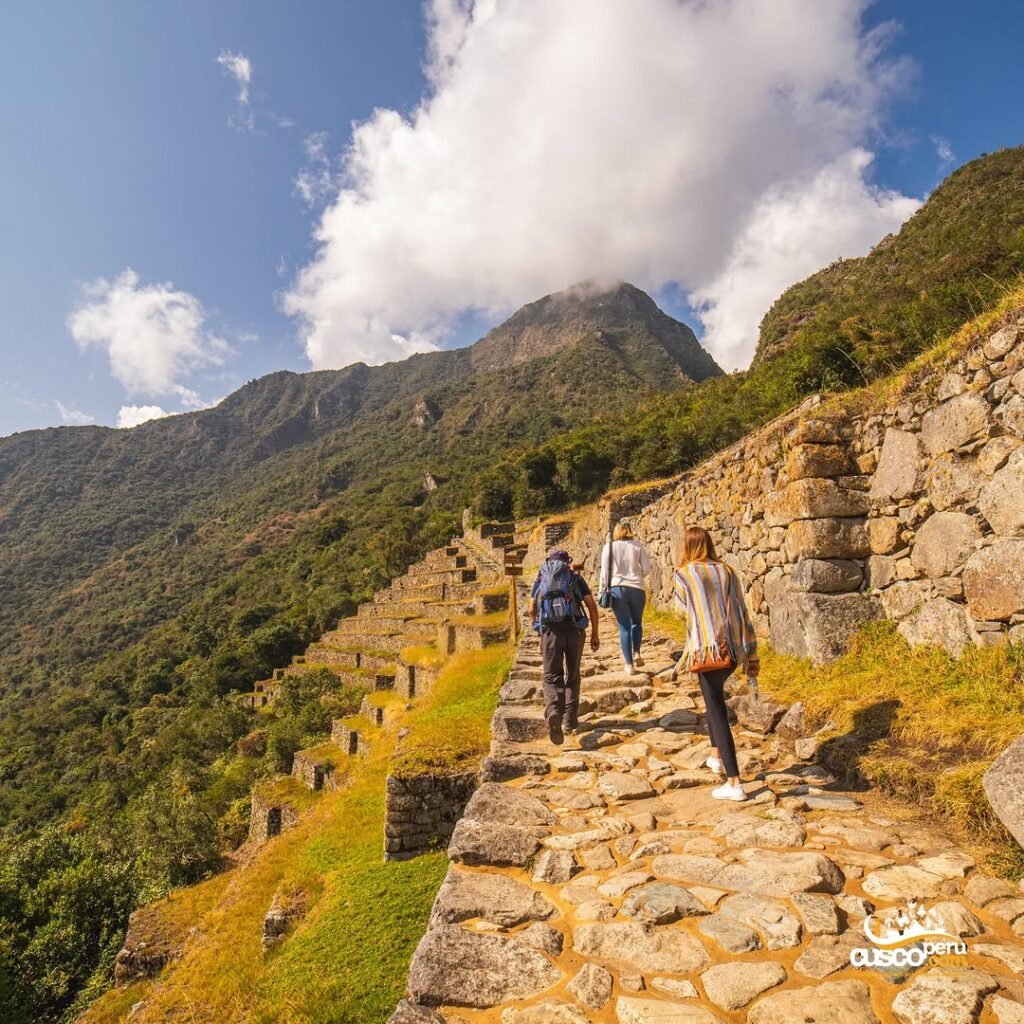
559	555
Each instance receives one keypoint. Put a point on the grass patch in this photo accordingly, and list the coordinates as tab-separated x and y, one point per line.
492	620
323	753
345	962
424	655
286	792
451	731
915	722
667	623
384	698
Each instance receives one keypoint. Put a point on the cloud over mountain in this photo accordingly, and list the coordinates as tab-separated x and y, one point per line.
722	147
154	335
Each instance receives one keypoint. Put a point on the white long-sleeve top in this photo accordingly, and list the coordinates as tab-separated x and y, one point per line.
630	564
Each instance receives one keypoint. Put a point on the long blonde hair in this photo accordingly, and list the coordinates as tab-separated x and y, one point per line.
623	531
698	545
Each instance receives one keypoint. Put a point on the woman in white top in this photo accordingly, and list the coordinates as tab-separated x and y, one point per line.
629	564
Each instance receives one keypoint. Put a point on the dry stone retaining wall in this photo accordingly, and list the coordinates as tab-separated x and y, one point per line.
421	811
832	517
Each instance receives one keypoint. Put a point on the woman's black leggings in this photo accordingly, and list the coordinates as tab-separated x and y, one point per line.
712	686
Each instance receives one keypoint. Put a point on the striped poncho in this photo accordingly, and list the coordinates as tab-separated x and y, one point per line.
710	597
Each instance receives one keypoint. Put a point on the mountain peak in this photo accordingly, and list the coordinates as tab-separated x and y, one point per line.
610	312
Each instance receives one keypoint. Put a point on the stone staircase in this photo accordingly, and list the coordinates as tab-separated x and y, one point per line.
599	883
455	599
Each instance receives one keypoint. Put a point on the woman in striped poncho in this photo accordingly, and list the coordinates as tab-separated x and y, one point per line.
709	594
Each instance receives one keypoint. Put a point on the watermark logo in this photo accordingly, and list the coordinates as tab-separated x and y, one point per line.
905	936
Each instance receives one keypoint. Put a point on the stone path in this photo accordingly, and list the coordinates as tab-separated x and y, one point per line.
599	882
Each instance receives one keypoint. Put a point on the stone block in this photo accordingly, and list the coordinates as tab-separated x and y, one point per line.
1011	415
944	543
1002	498
826	576
938	623
818	626
827	538
955	423
818	460
1000	343
996	453
953	480
883	534
880	571
994	581
1004	787
900	467
814	499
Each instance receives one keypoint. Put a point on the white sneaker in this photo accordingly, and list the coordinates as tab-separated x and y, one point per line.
629	670
727	792
715	765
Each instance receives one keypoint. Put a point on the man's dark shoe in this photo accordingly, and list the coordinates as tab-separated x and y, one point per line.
555	732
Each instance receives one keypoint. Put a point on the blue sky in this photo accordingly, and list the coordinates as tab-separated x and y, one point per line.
125	145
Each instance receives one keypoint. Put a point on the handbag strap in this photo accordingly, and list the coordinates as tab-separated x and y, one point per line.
610	560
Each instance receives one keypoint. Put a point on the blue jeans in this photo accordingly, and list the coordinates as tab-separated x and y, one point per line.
628	608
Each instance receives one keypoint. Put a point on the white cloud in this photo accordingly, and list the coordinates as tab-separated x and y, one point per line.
72	416
795	229
598	139
154	335
944	151
317	180
239	67
133	415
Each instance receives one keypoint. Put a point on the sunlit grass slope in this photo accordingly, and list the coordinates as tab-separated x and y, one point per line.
915	721
346	960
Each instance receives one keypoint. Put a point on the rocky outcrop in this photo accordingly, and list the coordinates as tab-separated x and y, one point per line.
1004	787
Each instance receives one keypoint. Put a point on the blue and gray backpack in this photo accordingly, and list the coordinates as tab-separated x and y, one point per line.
558	599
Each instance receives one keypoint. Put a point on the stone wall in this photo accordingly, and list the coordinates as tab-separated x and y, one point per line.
267	818
858	508
421	811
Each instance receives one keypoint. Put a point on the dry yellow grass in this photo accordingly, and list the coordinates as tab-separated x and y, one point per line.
916	722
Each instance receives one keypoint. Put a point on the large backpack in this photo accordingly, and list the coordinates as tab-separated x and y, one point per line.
558	600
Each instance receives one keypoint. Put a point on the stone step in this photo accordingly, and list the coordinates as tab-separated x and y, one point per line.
518	725
378	714
389	642
358	623
431	577
606	702
490	529
317	767
466	592
258	699
414	680
331	657
416	608
349	737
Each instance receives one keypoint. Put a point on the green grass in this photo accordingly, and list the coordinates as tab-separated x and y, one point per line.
323	753
491	620
668	623
916	722
385	698
452	731
288	792
425	655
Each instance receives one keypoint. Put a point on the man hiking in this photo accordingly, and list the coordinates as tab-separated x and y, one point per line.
560	606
